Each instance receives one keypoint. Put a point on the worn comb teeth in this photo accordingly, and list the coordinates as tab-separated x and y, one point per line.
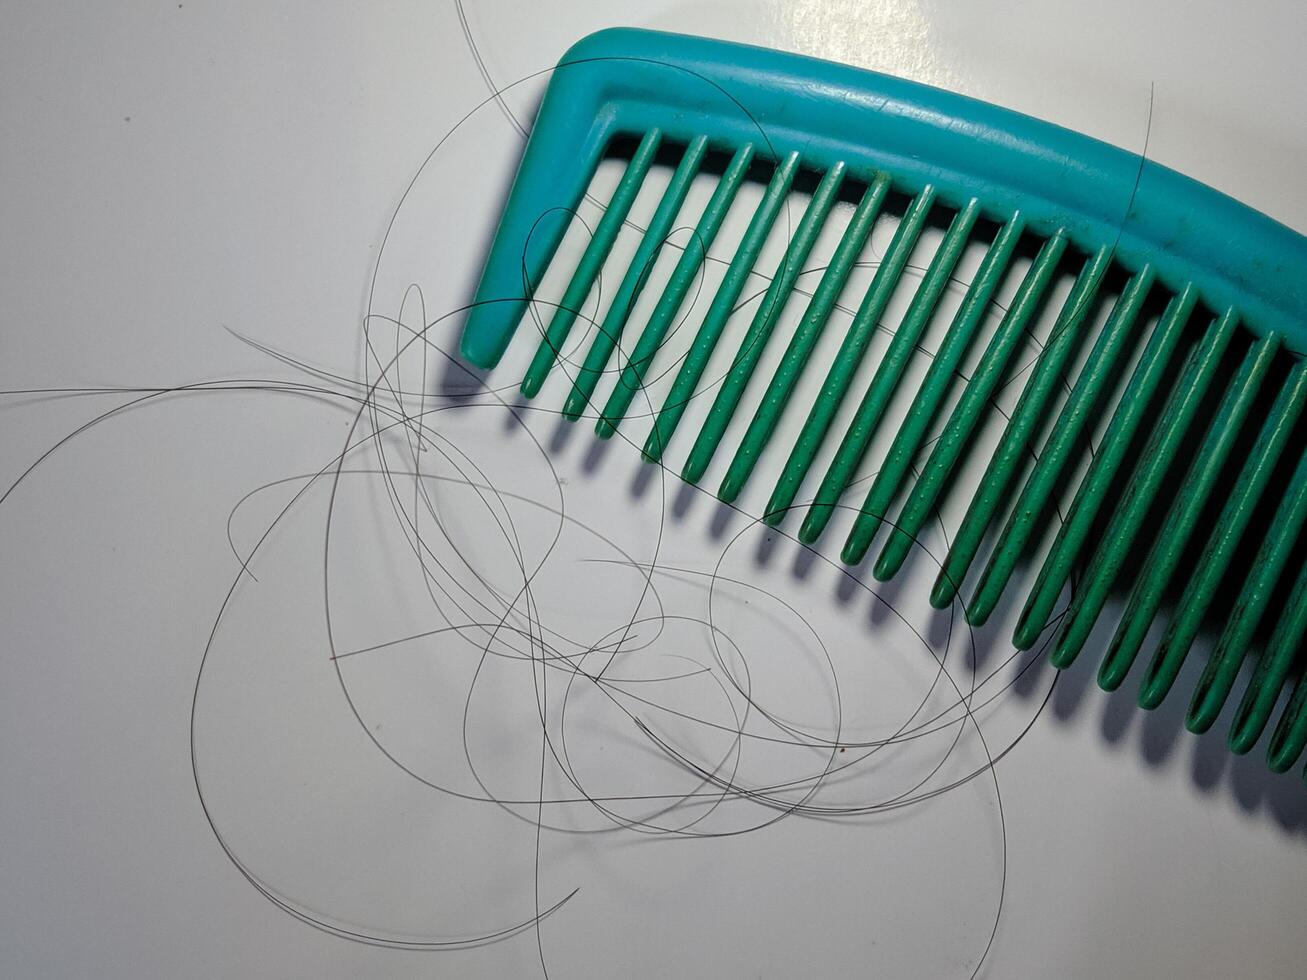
1020	432
1251	606
722	306
1194	375
587	270
651	338
760	330
776	395
871	409
930	396
633	282
1229	531
850	354
1055	456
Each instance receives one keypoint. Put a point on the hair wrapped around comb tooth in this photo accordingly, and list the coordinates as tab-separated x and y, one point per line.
1203	458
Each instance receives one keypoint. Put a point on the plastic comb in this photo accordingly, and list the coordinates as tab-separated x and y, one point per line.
1201	472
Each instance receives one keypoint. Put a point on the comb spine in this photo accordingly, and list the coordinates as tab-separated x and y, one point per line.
622	81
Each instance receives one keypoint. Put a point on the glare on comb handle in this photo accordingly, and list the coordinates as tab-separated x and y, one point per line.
1194	499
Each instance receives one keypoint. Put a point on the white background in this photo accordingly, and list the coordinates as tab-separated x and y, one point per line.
172	172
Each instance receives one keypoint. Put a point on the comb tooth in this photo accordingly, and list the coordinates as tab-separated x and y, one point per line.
637	274
1021	428
1272	557
651	338
1290	735
1099	369
933	388
1182	516
1259	700
851	352
804	339
1093	489
889	372
1133	508
764	321
592	260
970	408
723	305
527	239
1229	530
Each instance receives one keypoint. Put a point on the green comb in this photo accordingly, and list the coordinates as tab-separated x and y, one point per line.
1203	462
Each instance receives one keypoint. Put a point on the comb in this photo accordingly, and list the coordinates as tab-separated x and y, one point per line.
1192	501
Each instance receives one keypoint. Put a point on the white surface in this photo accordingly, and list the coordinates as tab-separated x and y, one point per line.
171	170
